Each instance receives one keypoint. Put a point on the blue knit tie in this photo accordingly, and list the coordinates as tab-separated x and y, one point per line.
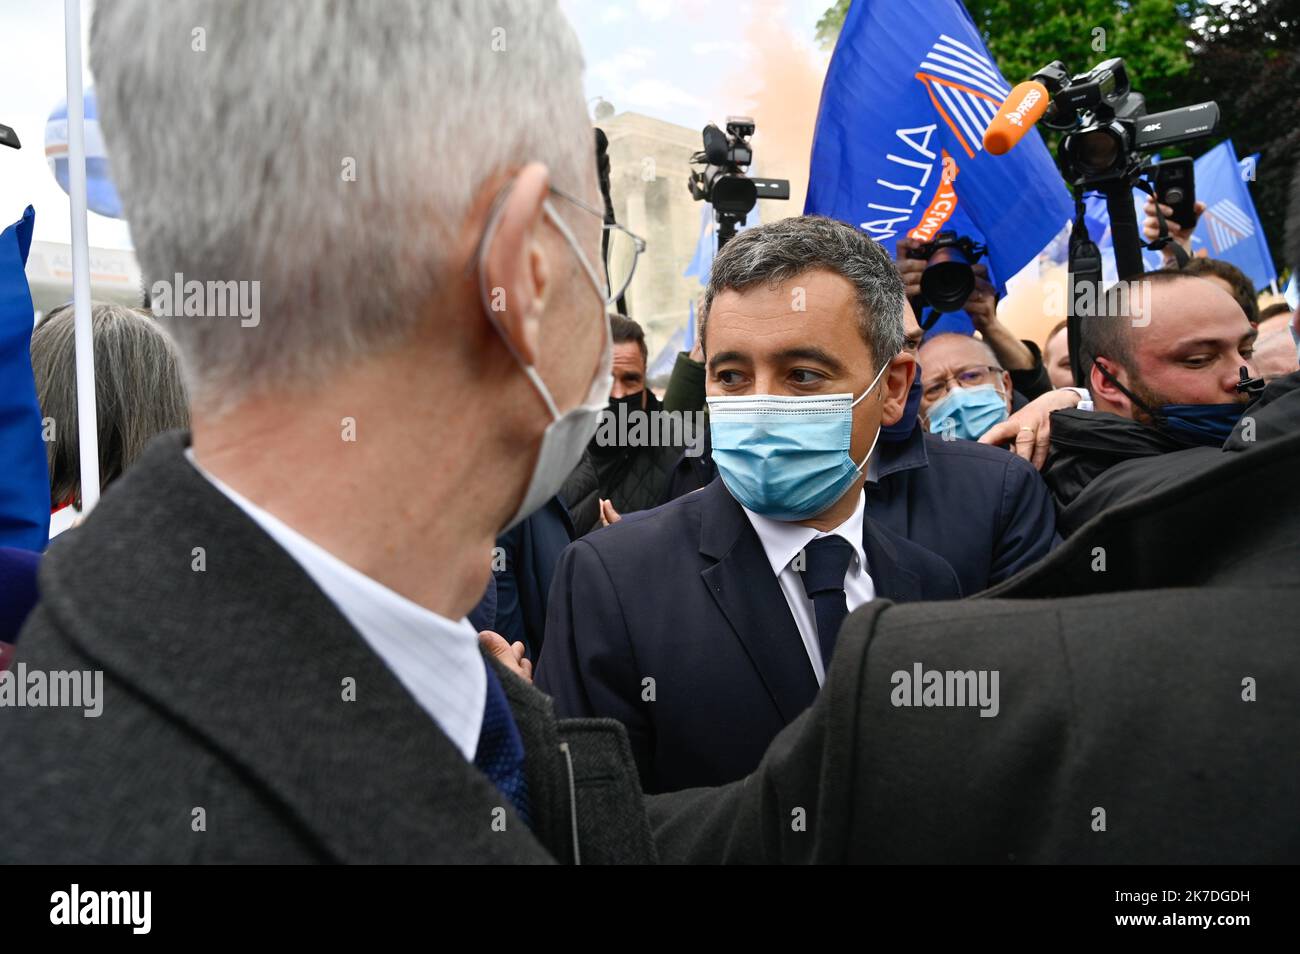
826	561
500	753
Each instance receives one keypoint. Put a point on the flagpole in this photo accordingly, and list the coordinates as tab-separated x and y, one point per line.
87	419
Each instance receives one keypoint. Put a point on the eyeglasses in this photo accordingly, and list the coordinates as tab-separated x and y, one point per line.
971	377
622	249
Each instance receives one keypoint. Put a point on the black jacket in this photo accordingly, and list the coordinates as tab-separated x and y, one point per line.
1086	444
223	691
1275	415
1148	712
684	596
635	478
580	496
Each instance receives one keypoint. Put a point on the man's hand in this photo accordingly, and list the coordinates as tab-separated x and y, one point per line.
697	350
1029	429
909	269
608	515
511	655
982	305
1151	229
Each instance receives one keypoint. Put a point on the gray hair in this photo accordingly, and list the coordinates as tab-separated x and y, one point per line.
984	346
234	126
781	250
139	391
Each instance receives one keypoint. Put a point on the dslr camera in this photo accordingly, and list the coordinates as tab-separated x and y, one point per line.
948	278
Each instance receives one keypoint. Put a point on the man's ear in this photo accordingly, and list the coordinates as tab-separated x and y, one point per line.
518	274
897	382
1007	390
1103	389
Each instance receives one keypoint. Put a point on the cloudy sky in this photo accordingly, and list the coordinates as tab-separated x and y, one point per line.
684	61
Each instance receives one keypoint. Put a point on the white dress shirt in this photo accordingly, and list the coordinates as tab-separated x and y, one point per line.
437	659
782	541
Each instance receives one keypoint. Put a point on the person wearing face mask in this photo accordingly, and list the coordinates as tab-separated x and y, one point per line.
1170	370
964	390
282	639
986	512
729	600
633	462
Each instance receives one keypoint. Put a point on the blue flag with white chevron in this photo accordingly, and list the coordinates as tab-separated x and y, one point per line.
898	148
1229	228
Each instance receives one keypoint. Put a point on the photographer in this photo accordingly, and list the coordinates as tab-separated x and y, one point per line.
1021	359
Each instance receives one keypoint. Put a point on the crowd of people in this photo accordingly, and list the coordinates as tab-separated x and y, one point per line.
409	575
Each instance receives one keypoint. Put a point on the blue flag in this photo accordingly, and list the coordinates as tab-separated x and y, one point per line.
706	245
24	479
898	148
1229	228
662	363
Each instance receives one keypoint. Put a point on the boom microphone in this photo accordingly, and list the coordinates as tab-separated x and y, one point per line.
1024	107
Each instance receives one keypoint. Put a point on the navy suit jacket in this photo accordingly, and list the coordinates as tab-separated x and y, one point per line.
981	508
672	622
532	551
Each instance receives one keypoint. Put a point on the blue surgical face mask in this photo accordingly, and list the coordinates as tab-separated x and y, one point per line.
787	457
901	429
966	413
1208	425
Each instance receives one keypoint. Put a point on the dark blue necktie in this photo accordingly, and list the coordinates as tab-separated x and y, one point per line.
826	560
500	753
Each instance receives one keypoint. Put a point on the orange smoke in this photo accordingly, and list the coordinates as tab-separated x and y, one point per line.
778	81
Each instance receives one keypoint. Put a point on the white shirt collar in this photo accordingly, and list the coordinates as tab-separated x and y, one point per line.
783	540
437	659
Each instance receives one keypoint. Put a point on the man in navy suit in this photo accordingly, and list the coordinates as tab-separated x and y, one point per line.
707	625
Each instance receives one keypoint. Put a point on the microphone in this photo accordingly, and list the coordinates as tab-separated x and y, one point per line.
1024	107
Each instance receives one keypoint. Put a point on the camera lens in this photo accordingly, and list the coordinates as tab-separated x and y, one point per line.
948	280
734	194
1097	151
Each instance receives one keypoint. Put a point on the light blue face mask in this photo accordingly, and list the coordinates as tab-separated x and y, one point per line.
787	457
966	413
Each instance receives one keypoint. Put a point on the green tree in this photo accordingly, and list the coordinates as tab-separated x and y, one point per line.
1247	59
1154	37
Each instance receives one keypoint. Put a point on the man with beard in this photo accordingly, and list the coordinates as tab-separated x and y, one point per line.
1169	368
